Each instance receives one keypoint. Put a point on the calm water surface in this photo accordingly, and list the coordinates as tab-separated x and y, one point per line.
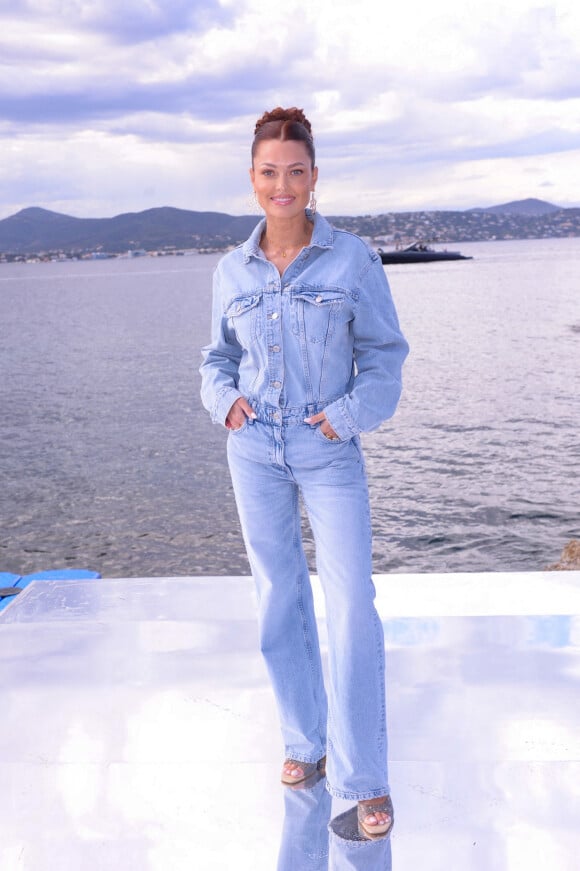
108	461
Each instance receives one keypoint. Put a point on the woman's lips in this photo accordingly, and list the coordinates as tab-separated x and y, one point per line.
282	201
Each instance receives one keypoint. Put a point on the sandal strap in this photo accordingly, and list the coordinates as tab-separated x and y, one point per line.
307	767
383	806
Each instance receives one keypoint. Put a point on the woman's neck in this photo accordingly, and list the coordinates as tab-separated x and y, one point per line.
283	236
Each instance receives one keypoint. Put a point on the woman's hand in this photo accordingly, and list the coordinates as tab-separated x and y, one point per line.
325	427
240	410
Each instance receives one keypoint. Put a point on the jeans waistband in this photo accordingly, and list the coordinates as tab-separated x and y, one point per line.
289	415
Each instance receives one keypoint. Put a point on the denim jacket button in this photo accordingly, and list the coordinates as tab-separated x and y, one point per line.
274	315
276	348
319	299
276	384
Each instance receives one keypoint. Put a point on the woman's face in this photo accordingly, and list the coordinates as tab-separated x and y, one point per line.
283	177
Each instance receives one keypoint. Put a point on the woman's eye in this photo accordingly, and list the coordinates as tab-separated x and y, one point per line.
297	171
267	172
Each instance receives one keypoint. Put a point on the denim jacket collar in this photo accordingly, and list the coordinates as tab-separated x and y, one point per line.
322	236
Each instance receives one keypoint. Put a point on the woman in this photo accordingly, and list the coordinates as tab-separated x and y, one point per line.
306	353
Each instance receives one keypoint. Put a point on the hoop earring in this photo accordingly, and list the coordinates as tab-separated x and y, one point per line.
255	206
312	204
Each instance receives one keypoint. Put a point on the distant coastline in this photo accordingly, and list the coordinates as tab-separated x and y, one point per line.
39	234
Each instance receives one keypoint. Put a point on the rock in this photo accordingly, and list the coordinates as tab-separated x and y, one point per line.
570	559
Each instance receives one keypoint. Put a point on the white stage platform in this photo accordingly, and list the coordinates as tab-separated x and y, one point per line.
138	732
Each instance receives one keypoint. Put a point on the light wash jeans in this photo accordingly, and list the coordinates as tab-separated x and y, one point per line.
311	841
272	460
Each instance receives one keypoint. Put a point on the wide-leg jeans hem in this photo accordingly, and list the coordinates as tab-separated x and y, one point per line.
300	757
357	796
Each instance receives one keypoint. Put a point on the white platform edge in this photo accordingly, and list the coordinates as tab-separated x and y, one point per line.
477	594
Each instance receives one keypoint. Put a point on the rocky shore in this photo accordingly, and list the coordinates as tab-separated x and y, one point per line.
570	559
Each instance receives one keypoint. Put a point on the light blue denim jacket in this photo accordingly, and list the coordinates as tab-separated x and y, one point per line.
324	335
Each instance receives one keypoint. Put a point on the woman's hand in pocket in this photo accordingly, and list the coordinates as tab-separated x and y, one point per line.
325	427
238	413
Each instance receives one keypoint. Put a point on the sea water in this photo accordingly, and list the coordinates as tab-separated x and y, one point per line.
108	460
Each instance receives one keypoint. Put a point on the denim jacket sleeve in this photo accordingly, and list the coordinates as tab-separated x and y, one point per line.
379	351
220	367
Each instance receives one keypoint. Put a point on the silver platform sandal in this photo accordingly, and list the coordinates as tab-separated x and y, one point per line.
307	768
381	806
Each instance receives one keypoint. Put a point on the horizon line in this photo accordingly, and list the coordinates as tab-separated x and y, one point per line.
555	206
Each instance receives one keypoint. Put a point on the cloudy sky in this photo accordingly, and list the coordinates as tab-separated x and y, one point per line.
109	106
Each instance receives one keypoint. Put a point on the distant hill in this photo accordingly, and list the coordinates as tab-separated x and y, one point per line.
529	208
40	231
34	229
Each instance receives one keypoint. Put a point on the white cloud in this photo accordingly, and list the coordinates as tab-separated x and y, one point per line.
109	107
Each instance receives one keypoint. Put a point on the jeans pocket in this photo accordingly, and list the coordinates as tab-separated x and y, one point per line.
241	428
318	432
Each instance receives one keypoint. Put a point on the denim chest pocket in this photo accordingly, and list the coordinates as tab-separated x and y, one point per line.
244	314
315	312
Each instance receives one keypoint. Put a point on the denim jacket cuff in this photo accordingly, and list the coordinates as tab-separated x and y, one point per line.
224	401
340	420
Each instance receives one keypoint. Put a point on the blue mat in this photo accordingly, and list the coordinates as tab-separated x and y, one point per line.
58	575
10	581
